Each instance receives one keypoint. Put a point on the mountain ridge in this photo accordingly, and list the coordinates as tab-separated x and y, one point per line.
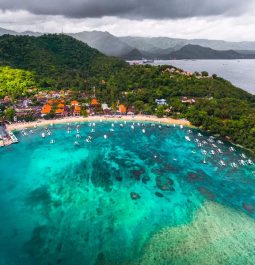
148	47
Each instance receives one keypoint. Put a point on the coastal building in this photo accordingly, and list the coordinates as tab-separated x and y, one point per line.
94	102
131	110
122	109
106	109
77	111
188	100
46	109
74	103
161	102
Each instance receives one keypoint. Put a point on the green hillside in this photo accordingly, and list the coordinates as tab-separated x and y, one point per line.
57	60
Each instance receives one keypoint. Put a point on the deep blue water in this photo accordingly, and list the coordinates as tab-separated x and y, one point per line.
71	204
239	72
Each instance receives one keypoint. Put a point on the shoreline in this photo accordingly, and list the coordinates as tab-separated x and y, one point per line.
136	118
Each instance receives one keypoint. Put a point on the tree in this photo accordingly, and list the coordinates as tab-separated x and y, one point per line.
10	114
204	73
160	112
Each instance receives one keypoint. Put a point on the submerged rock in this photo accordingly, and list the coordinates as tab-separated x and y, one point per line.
145	179
207	193
118	178
136	174
135	196
159	194
164	183
248	207
196	176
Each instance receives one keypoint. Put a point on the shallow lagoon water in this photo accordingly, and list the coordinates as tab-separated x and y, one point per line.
71	204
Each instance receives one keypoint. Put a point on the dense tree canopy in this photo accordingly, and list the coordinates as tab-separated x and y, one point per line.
15	82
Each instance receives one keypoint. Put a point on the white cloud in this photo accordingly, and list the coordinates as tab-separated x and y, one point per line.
218	27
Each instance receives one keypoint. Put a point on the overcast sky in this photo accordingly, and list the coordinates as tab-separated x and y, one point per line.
212	19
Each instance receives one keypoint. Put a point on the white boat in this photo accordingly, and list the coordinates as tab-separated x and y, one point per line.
204	152
111	130
219	142
187	138
112	124
220	151
121	125
143	130
181	126
242	162
250	162
204	161
92	130
243	156
199	134
234	165
76	143
52	141
105	136
231	149
212	152
43	135
222	163
78	135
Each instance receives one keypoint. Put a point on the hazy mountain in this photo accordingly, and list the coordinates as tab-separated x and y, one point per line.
133	55
6	31
161	44
153	48
198	52
104	42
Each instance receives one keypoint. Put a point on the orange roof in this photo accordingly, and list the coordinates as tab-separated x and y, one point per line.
59	111
94	101
77	109
46	109
122	109
50	102
61	105
74	102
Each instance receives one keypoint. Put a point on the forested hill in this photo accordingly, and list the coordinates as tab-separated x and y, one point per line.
57	60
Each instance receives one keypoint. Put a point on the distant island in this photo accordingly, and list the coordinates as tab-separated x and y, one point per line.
55	76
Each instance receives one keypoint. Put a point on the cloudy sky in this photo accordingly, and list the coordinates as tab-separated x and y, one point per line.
212	19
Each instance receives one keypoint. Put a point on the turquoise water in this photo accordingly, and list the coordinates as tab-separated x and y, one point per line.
71	204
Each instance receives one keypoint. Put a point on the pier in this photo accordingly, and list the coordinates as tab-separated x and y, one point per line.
6	137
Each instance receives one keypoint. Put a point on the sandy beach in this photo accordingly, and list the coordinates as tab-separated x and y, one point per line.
136	118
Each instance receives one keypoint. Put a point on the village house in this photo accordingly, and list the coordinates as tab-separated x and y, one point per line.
122	109
46	109
106	109
161	102
131	110
188	100
77	111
